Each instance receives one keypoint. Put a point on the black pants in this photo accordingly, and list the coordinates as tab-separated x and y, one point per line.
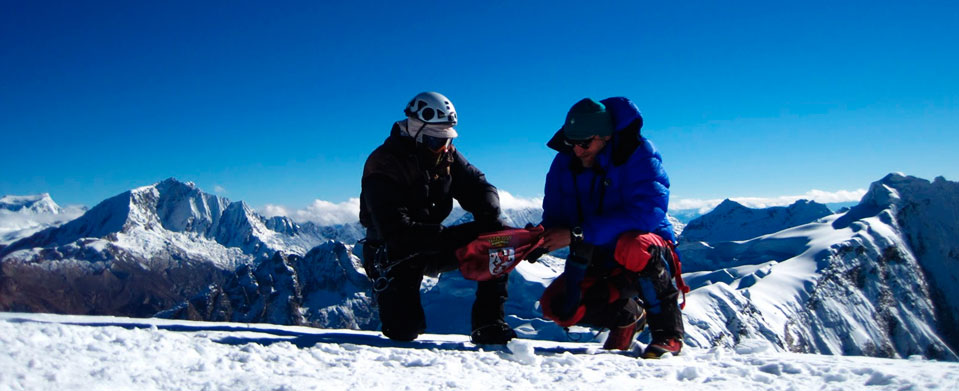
400	308
660	295
652	289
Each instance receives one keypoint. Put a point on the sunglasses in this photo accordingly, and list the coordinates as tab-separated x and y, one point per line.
581	143
435	143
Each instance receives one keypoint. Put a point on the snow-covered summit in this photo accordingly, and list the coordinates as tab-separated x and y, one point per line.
926	215
22	216
36	204
148	219
866	282
731	220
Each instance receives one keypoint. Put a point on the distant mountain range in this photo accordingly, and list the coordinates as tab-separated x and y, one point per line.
32	204
733	221
687	215
146	250
151	248
877	279
22	216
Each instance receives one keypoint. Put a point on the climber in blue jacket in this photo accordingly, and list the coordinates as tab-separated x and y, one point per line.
606	198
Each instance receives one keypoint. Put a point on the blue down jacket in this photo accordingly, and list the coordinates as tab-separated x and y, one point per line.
626	190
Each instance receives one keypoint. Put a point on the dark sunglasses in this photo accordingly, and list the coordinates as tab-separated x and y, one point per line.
435	143
581	143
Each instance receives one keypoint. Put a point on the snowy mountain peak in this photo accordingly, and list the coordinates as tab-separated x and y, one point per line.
176	182
33	204
926	214
731	221
884	193
157	245
22	216
152	218
728	205
878	280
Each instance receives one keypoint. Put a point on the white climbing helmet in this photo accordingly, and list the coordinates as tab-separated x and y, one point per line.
431	108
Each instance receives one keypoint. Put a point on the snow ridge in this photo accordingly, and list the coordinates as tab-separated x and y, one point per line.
731	220
926	215
851	284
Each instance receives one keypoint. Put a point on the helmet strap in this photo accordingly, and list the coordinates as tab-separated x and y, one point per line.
417	135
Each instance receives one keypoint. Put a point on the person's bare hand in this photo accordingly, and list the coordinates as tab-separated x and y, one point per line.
556	238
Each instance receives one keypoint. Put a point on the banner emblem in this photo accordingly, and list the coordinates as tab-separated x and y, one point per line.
501	260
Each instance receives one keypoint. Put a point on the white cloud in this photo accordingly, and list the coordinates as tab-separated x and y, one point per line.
329	213
219	189
271	210
509	201
705	206
320	212
14	221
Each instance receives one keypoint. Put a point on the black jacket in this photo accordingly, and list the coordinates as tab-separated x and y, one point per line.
403	202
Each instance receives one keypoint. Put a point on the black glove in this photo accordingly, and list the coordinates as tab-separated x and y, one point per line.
534	255
458	236
580	256
490	225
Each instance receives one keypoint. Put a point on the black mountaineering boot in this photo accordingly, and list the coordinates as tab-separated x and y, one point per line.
489	328
498	333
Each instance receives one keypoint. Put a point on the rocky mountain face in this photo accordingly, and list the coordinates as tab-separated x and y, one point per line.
731	220
92	276
322	288
325	288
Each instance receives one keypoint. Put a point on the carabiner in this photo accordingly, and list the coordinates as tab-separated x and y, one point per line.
381	284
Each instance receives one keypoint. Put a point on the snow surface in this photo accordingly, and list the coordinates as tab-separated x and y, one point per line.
59	352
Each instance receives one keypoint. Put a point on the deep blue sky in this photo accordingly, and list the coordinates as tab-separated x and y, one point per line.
281	102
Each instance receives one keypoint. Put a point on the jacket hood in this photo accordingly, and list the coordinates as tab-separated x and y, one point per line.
624	112
400	139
